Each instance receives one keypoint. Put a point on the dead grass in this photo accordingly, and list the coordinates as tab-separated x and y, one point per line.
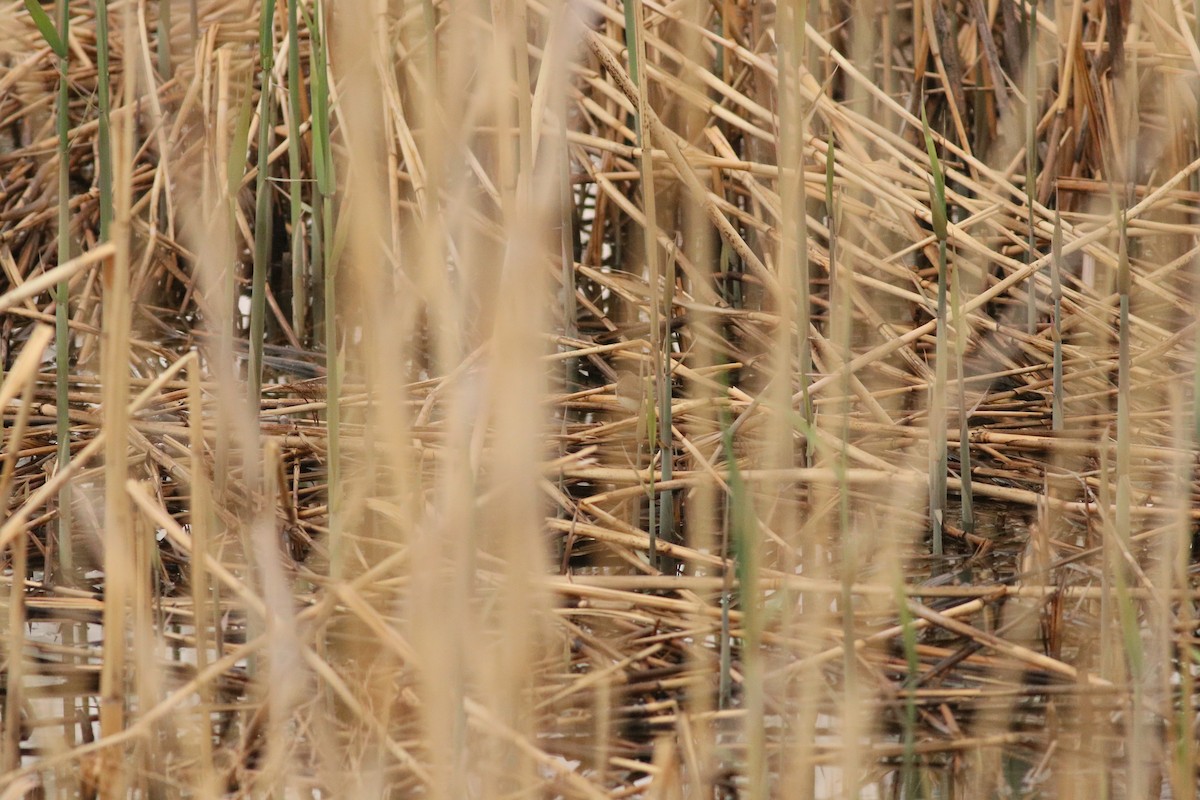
592	454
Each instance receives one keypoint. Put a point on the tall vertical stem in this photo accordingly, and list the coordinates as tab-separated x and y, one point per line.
1031	165
262	207
62	315
324	265
299	280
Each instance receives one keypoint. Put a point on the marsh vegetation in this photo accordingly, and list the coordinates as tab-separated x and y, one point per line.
599	399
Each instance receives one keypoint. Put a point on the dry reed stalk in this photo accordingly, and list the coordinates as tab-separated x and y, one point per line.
118	562
717	431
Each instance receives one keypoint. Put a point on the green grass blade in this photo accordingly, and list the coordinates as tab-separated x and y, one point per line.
909	776
46	28
295	194
262	212
631	39
938	463
939	182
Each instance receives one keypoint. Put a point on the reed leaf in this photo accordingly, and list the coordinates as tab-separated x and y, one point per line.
53	38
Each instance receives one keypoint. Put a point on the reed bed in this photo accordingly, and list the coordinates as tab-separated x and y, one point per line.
599	399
